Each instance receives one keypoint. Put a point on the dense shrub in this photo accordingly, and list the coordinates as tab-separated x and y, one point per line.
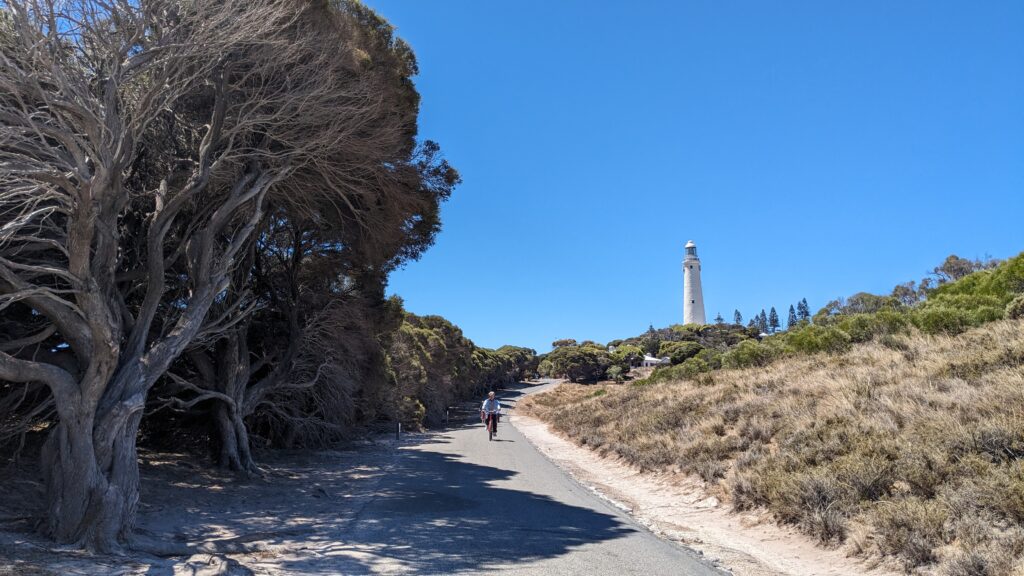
942	320
679	352
748	353
812	339
712	357
577	363
411	413
615	373
860	327
892	322
910	529
688	369
1002	283
627	356
1015	309
432	363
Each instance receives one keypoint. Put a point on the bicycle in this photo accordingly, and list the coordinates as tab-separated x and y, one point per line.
491	421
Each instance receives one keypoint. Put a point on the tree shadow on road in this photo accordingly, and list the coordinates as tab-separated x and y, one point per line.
375	510
435	514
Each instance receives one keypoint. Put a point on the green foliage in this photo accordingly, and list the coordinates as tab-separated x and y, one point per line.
563	342
684	352
803	311
892	322
432	363
860	303
812	339
1015	309
990	293
864	327
679	352
687	370
941	320
711	357
616	373
627	356
411	413
1003	282
748	353
650	344
693	366
577	363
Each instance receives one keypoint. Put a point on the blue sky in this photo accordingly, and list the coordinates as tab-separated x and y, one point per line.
811	149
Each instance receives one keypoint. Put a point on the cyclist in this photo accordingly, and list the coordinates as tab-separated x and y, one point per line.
490	410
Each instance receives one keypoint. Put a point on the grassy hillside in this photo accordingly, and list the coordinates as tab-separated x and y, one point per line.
909	449
905	440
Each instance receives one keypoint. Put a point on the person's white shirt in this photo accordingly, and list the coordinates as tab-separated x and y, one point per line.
490	406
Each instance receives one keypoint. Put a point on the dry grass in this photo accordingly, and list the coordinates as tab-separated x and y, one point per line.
909	448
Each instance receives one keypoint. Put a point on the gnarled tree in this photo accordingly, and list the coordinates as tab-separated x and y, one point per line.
141	144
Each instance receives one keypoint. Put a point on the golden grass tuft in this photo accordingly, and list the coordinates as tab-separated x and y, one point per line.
916	441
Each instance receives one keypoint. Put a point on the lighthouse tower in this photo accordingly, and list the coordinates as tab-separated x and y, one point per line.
693	297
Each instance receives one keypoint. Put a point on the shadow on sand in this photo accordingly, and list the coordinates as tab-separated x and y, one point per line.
417	511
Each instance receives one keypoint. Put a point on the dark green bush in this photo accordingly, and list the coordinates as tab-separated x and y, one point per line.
1002	283
679	352
892	322
942	320
687	370
986	314
1015	309
860	327
749	353
411	413
712	357
812	339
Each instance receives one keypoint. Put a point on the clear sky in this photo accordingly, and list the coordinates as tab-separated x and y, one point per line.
811	149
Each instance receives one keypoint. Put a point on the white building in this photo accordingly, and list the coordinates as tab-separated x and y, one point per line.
693	297
649	361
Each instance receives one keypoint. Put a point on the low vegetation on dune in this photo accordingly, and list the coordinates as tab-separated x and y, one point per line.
907	447
895	428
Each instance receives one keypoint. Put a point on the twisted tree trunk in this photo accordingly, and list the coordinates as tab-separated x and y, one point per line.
92	481
235	453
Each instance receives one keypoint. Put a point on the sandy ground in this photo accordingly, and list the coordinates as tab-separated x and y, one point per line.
677	507
284	523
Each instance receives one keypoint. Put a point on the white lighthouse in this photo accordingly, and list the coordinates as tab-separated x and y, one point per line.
693	297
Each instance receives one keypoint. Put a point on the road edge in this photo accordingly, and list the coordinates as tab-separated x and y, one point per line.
679	510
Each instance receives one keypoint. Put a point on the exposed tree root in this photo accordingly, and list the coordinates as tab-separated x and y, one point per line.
244	544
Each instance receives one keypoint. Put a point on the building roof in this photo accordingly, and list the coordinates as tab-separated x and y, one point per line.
689	244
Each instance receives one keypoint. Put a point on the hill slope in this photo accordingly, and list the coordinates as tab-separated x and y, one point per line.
909	446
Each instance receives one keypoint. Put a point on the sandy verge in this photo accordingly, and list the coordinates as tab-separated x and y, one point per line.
297	519
677	507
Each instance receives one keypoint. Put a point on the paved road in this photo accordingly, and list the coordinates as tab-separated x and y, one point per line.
456	503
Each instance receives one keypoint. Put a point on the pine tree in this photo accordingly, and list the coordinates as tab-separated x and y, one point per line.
773	321
762	321
803	311
719	320
737	318
791	321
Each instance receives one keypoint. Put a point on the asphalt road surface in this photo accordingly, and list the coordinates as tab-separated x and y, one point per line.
456	503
